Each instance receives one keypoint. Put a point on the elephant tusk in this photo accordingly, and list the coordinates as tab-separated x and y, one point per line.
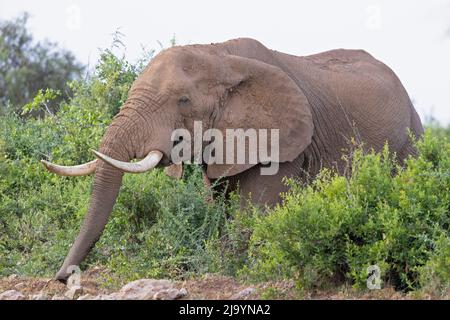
148	163
71	171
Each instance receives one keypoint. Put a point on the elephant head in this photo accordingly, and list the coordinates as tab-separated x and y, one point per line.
236	84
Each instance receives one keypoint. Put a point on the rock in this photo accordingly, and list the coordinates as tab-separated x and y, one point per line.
39	296
175	294
12	295
171	294
144	289
184	292
74	292
243	294
149	289
58	297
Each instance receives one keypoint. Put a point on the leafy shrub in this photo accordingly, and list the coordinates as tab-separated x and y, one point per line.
331	231
40	213
435	274
171	236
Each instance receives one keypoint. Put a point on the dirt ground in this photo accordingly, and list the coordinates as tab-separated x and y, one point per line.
210	287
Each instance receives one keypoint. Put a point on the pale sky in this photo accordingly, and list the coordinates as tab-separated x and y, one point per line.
412	37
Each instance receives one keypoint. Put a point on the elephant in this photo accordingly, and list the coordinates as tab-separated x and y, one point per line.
319	103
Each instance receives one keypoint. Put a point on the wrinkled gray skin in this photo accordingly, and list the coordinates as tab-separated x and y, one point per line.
318	102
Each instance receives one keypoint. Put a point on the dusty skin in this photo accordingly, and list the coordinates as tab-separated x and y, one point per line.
319	103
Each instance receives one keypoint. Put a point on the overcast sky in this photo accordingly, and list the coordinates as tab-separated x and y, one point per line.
412	37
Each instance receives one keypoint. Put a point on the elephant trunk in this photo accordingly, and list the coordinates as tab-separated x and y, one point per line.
106	187
126	138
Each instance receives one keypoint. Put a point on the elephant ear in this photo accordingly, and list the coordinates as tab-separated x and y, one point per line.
261	96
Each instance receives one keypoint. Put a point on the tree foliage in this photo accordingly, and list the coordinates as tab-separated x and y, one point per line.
27	66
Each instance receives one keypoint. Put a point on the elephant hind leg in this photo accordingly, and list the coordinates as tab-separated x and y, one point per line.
407	150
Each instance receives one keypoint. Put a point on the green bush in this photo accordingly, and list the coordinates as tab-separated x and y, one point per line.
40	213
167	231
331	231
435	274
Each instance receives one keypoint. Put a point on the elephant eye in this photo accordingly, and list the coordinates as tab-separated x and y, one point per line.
183	100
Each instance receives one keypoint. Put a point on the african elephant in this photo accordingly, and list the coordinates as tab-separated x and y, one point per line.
318	103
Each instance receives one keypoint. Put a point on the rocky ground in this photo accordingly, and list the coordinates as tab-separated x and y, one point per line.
92	287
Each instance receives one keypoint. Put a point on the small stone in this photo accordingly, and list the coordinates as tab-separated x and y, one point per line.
13	277
74	292
96	269
20	286
39	296
12	295
176	294
143	289
58	297
243	294
169	294
87	297
157	296
112	296
183	292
